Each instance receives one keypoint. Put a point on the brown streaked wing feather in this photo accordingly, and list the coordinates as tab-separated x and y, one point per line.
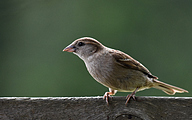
130	63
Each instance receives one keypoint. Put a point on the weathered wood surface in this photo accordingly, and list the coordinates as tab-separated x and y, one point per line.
95	108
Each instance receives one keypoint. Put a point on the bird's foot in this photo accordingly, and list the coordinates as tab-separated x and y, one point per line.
131	95
107	96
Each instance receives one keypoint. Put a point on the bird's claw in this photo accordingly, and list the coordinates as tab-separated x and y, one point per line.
107	96
131	95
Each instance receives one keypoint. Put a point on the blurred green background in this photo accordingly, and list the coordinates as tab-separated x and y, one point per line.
34	33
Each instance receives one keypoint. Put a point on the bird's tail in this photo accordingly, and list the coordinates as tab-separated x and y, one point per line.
169	89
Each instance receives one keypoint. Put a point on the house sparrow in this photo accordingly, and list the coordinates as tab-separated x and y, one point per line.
116	70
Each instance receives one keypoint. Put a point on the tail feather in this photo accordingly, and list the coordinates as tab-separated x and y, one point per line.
169	89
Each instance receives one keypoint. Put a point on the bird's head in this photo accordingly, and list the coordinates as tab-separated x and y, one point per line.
84	47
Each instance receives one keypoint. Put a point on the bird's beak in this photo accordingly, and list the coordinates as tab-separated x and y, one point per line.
70	48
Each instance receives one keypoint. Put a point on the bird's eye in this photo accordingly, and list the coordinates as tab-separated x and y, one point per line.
81	44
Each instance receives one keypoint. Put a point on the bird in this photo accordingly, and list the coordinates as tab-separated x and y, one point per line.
117	70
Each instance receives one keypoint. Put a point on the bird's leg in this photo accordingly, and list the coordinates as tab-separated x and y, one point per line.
131	95
107	95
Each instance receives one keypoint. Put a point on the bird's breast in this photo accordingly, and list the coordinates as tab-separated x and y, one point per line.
99	69
105	71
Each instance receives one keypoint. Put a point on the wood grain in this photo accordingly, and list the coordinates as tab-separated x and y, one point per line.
95	108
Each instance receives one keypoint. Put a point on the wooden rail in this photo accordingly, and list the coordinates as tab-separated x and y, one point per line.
95	108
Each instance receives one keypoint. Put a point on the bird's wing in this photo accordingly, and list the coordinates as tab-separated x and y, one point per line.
128	62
